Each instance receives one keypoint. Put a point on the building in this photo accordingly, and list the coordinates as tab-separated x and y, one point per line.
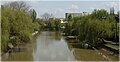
72	15
75	15
84	13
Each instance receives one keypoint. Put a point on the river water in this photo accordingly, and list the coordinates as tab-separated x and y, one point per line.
51	46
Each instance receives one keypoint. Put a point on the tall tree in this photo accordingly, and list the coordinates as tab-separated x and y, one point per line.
100	14
33	14
112	11
16	24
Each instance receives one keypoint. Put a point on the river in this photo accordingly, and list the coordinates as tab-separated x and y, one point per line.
51	46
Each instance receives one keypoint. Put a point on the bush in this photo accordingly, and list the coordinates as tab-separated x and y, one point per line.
5	30
90	30
54	24
16	24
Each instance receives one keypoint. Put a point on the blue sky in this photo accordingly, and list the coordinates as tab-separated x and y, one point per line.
59	8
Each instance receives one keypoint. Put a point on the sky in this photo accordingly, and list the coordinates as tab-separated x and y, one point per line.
59	8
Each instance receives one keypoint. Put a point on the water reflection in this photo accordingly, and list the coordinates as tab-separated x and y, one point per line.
51	47
24	55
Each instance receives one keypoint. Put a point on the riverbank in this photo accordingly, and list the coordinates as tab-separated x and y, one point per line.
48	46
98	52
51	46
23	54
94	54
18	48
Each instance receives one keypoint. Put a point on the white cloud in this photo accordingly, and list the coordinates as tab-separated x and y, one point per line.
114	4
111	4
61	11
93	8
75	6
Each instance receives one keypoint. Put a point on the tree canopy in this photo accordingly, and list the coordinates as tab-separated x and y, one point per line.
91	28
17	24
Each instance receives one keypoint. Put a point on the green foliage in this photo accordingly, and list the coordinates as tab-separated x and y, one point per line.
69	25
15	24
25	36
5	30
92	28
41	23
51	24
99	14
57	24
54	24
33	15
70	17
36	26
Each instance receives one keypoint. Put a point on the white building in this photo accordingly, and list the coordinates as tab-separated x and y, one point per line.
75	15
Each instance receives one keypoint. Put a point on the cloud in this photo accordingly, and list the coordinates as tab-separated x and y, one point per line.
114	4
61	11
74	7
93	8
111	4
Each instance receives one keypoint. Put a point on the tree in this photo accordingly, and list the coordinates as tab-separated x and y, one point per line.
46	16
33	14
18	5
91	30
112	11
16	26
100	14
54	24
5	30
69	26
70	17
